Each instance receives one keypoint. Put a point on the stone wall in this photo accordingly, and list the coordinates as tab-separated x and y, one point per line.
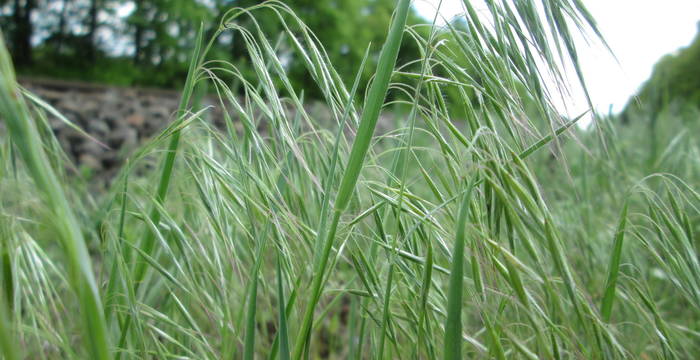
122	118
119	117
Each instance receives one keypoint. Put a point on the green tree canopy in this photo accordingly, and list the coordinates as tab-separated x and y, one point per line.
148	42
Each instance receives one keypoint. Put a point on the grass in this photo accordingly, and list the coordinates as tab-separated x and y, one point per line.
79	265
478	223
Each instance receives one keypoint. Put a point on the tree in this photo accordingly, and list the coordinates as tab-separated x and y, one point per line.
345	28
22	32
61	32
92	29
162	32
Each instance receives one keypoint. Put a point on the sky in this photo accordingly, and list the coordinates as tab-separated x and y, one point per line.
639	32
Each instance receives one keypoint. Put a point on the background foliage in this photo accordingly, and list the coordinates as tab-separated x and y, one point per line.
674	82
91	40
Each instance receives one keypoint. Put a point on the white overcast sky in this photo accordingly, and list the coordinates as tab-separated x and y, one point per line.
639	32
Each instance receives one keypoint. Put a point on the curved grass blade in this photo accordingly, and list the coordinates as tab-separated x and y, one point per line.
373	104
24	134
164	183
368	121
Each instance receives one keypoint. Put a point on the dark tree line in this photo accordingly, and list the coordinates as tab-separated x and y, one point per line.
148	42
21	30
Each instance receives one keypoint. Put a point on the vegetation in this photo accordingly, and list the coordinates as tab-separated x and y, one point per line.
484	226
669	83
148	42
671	90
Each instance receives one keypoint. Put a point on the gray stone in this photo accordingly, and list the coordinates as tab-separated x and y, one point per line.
119	117
90	161
98	127
136	120
91	147
122	137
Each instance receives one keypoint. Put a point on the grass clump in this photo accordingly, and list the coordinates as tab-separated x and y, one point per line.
487	227
26	140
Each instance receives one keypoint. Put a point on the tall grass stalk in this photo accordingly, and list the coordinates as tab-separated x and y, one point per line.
25	137
453	324
166	173
370	114
614	268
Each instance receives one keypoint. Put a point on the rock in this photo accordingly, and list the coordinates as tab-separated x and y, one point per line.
136	120
110	159
90	147
159	114
99	128
122	137
157	118
70	137
69	102
90	161
119	117
147	101
110	120
90	106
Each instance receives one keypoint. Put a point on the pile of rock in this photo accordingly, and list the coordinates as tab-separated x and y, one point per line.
123	118
120	118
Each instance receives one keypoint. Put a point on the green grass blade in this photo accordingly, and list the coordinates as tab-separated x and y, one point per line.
148	241
453	323
25	136
283	335
368	121
549	137
614	268
7	338
249	350
373	105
